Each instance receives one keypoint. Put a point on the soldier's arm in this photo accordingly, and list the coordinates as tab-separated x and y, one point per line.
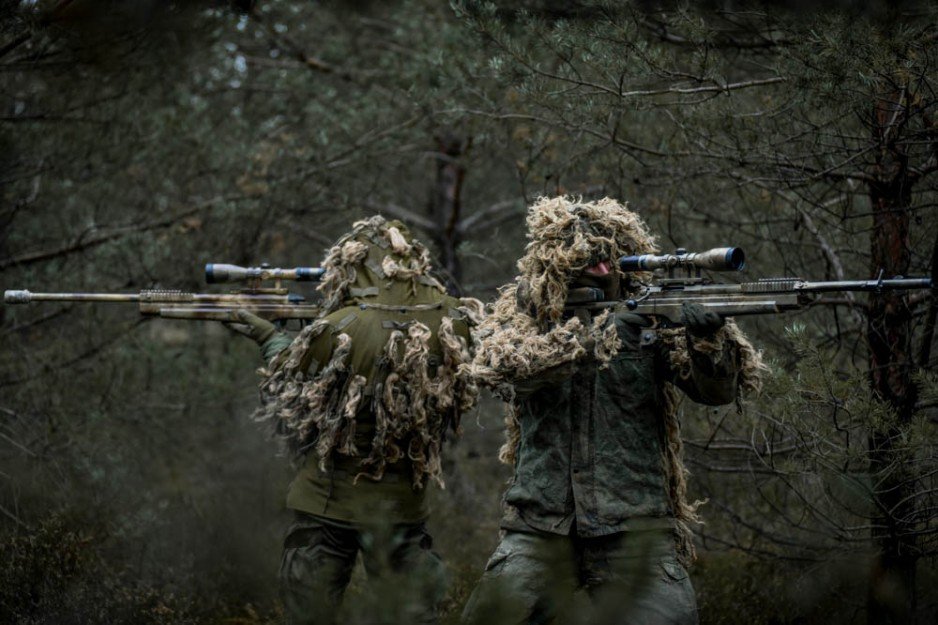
707	368
319	352
270	340
274	345
513	357
525	386
713	372
273	341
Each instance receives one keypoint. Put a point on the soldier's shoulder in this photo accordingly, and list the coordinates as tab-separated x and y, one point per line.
461	308
449	302
342	318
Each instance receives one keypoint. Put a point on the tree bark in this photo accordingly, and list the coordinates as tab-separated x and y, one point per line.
446	206
891	597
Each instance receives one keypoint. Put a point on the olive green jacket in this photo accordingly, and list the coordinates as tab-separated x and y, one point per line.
591	447
368	316
334	493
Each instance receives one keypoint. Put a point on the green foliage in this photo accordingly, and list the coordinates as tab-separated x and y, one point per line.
733	588
55	574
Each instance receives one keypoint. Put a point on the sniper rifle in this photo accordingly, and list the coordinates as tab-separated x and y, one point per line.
273	303
684	283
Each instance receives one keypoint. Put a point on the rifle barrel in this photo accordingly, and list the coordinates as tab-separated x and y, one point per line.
155	296
25	297
868	285
797	285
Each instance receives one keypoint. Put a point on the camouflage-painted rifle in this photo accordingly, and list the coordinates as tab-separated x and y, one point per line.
662	300
273	303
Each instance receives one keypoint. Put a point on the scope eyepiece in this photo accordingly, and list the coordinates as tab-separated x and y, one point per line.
309	274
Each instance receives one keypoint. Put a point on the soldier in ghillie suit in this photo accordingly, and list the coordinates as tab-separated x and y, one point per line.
598	499
364	398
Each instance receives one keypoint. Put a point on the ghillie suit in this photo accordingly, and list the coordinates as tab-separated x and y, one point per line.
528	343
376	377
366	394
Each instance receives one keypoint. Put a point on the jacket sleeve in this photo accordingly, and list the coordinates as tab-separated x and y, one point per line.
706	370
308	352
317	355
278	342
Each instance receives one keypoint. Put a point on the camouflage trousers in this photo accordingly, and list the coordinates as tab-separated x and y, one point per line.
629	578
405	578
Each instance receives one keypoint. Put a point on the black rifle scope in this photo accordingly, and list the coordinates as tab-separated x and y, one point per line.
717	259
217	273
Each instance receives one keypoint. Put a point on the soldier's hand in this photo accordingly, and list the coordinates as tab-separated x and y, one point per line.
253	327
588	343
700	322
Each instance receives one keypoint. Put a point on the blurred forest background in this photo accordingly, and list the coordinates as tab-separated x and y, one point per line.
140	139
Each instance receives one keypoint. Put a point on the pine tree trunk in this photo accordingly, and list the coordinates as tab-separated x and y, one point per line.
446	206
891	598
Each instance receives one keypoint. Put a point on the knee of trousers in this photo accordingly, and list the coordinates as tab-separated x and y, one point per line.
416	560
317	558
527	579
661	595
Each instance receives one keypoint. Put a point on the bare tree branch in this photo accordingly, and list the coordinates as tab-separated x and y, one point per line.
80	243
500	211
402	213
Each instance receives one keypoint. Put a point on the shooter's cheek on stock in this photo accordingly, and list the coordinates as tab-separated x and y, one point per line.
602	268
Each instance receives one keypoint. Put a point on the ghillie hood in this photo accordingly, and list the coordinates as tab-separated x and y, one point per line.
379	272
525	335
378	261
565	237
